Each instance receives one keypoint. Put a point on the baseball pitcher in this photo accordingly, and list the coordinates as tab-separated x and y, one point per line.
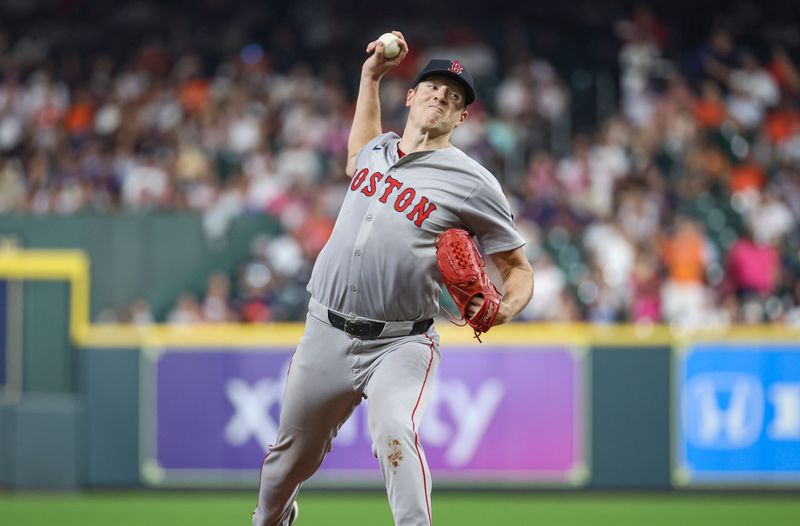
375	287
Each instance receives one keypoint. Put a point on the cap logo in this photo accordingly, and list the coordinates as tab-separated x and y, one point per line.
456	67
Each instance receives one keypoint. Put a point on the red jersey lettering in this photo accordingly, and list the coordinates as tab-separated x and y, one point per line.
421	211
358	179
404	199
374	179
392	184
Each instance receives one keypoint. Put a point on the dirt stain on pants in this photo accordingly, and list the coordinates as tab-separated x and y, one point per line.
395	455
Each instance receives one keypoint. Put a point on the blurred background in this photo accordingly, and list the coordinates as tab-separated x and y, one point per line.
170	171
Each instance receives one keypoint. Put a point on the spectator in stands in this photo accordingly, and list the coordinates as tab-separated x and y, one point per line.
551	284
770	218
752	268
710	109
793	314
754	80
785	72
639	211
685	254
140	314
713	59
216	304
187	311
645	304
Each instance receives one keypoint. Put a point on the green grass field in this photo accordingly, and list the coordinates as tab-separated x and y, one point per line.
450	509
201	509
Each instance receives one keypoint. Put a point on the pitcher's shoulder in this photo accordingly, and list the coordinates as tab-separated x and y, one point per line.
378	150
382	141
469	165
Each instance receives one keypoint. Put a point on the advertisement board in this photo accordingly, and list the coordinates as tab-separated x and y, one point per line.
3	334
497	414
738	414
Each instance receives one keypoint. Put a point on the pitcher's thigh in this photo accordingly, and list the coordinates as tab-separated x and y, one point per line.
400	388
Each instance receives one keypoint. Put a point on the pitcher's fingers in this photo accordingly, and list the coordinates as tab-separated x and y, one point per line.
402	42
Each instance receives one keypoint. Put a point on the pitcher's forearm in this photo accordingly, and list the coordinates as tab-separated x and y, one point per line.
367	118
518	290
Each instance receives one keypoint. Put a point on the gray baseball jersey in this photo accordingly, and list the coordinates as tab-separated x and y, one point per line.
380	261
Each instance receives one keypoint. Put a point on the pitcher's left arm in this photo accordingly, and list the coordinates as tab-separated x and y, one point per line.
517	276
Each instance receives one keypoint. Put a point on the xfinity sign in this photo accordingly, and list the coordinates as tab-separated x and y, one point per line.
512	413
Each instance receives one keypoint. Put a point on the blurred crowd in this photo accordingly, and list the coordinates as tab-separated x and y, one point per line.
680	205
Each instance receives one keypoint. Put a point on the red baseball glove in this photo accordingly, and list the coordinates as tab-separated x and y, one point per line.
461	267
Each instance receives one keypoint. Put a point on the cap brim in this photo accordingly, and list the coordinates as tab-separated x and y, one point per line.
469	93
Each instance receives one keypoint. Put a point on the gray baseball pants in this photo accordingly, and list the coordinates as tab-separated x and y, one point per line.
330	373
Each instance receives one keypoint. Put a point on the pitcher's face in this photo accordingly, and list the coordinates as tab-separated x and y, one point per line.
438	103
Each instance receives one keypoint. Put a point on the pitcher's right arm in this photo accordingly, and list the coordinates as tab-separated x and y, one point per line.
367	118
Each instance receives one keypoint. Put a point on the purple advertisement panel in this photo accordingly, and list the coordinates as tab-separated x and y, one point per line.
496	414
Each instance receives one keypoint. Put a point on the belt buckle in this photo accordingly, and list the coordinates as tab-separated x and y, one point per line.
358	328
351	328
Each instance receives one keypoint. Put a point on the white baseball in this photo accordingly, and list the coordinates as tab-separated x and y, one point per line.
390	46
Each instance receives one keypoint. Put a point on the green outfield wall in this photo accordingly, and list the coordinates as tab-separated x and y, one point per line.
155	256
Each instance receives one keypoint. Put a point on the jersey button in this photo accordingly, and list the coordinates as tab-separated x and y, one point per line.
353	288
357	252
369	217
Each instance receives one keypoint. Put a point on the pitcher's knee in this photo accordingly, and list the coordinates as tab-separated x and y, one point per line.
294	463
390	436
